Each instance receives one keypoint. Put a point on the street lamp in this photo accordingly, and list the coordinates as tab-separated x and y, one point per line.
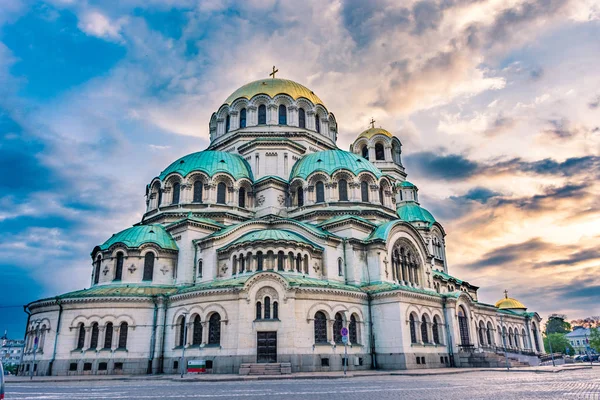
504	342
184	343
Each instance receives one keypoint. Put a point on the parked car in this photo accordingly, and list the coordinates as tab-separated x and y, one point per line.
1	382
590	357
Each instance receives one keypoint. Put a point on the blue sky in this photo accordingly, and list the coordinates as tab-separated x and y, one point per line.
497	105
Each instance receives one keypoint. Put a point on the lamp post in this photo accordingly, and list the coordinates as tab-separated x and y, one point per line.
504	342
184	343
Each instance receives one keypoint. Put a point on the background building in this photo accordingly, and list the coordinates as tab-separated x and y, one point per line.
11	350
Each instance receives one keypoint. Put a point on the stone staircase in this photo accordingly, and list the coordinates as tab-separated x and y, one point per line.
266	369
488	360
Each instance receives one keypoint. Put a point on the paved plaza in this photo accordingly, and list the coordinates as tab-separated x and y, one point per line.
579	384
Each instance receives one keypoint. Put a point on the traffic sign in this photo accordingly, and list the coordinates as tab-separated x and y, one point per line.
345	339
344	331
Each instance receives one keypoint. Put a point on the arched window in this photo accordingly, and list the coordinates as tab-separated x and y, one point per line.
365	152
535	338
463	326
95	334
197	334
524	338
343	190
242	263
488	334
259	261
214	329
320	192
176	193
221	193
364	191
200	269
424	334
227	123
198	192
352	330
81	337
275	310
258	310
305	264
123	335
243	118
481	329
262	114
119	267
340	267
436	330
300	194
320	328
108	335
413	329
298	263
338	324
148	266
381	198
181	341
282	115
317	124
267	307
242	197
379	153
510	337
97	269
301	118
159	197
280	260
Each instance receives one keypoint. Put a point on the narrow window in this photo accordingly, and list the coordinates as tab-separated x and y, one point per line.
413	329
227	123
242	264
197	334
242	197
481	329
262	114
381	198
282	115
176	192
200	269
159	197
436	333
343	190
108	335
364	192
181	340
379	153
338	324
317	124
320	192
352	330
280	258
300	197
259	261
320	328
535	339
97	269
123	335
424	335
148	266
365	152
95	333
267	307
81	337
301	118
340	267
275	310
198	191
258	310
243	118
119	267
221	189
298	263
463	326
214	329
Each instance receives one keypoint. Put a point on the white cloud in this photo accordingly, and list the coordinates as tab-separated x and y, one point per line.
95	23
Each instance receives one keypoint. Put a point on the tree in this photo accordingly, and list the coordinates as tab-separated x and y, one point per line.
595	339
557	324
589	322
559	342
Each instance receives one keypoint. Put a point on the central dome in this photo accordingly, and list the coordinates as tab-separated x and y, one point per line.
272	87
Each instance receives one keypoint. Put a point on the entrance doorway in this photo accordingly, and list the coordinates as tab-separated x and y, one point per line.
266	345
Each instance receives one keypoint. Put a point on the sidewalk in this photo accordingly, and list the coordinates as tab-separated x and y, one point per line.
297	375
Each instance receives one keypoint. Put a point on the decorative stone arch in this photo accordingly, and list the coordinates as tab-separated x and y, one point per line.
171	179
266	278
342	174
238	104
318	176
195	176
342	309
150	248
283	99
196	310
223	177
413	309
404	252
80	319
223	111
324	308
401	229
215	308
124	318
179	312
306	104
358	312
116	248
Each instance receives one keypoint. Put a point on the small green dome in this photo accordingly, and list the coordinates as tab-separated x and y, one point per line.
410	211
272	235
137	235
406	184
329	161
210	162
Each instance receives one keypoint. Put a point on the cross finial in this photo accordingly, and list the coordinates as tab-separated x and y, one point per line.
505	294
272	74
372	122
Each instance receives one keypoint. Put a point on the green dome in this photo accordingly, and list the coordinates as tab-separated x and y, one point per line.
210	162
137	235
272	235
329	161
410	211
406	184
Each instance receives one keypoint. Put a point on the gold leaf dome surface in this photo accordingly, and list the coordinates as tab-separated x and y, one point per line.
272	87
369	133
509	303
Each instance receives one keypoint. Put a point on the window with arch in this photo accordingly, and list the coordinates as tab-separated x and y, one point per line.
424	333
379	152
148	266
95	334
198	187
481	329
108	335
181	338
340	267
242	263
81	337
488	333
227	123
320	327
510	337
524	338
199	268
413	328
343	190
300	196
176	193
280	261
258	310
119	266
381	196
97	264
243	118
275	310
197	333
298	263
317	123
306	264
365	151
320	188
259	261
352	330
301	118
262	114
267	307
221	193
214	329
338	324
535	338
242	198
159	197
123	335
435	330
463	326
364	192
282	115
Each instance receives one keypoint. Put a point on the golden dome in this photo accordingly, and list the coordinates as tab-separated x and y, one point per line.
369	133
508	303
272	87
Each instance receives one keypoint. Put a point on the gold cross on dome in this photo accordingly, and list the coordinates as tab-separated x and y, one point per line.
505	294
372	122
274	72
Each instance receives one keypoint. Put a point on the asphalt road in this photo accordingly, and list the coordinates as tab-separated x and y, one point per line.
582	384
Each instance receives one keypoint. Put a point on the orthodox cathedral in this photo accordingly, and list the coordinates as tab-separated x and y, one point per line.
274	246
